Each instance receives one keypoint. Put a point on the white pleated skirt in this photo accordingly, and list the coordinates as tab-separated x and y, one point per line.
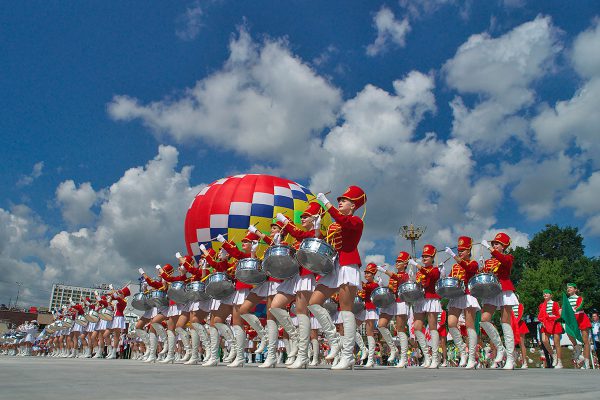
118	323
506	298
265	289
427	306
463	302
346	275
397	308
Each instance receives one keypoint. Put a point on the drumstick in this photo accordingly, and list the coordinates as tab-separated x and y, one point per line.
215	238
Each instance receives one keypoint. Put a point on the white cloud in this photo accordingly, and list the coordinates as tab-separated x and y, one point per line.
75	203
423	8
389	29
27	180
586	51
584	200
501	71
264	101
190	22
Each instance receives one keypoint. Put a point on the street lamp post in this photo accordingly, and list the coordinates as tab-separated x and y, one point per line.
412	233
19	284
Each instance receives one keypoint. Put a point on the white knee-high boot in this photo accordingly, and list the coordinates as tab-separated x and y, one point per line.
227	333
303	339
509	346
254	322
424	348
240	344
315	352
387	336
458	341
152	343
161	332
371	350
213	359
170	348
347	355
364	353
472	348
195	339
328	328
435	354
403	349
185	339
494	336
284	319
273	334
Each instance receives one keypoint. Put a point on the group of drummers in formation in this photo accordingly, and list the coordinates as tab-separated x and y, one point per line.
318	280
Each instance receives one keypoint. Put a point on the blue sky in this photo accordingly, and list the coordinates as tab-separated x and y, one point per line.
465	116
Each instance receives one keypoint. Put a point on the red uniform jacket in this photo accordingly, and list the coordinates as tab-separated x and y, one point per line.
500	265
549	321
153	284
396	280
121	304
428	276
344	235
240	255
465	271
368	288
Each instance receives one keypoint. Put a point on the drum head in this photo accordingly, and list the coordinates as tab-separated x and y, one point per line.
178	295
220	290
315	262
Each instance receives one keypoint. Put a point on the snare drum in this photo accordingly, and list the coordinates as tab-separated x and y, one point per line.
358	305
197	291
92	316
219	286
158	299
450	288
81	321
280	262
382	297
106	314
177	293
411	292
138	301
249	270
316	255
330	305
68	322
485	285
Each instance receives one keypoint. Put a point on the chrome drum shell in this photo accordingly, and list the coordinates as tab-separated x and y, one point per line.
81	321
197	291
382	297
157	298
280	262
358	305
485	285
177	293
411	292
249	270
450	288
219	286
92	316
106	314
139	302
316	255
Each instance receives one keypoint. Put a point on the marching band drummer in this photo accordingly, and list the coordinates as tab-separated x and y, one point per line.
344	235
584	323
464	269
90	329
244	299
157	314
428	307
549	315
399	310
369	314
141	323
117	325
176	318
198	310
500	265
102	326
299	287
75	310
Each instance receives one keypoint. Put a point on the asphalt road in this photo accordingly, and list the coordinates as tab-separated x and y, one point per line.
51	378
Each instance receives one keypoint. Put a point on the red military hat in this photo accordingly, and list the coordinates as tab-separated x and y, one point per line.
429	250
168	269
464	243
502	238
125	291
277	223
187	260
402	256
250	237
372	268
313	208
356	195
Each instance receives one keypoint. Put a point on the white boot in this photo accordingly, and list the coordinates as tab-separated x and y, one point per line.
185	339
328	328
315	352
371	352
303	339
145	336
347	354
472	363
385	333
226	332
170	348
435	354
554	358
213	359
161	333
403	350
424	348
458	341
284	319
364	353
494	336
240	344
99	352
204	339
254	322
194	358
152	344
272	335
558	364
509	345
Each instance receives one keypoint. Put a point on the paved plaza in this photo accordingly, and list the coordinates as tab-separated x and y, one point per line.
44	378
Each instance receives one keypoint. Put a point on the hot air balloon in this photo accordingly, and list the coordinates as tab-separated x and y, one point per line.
228	206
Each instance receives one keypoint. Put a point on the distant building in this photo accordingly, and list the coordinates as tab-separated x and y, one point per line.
61	294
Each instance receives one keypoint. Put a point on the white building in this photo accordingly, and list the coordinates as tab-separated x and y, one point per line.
61	294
